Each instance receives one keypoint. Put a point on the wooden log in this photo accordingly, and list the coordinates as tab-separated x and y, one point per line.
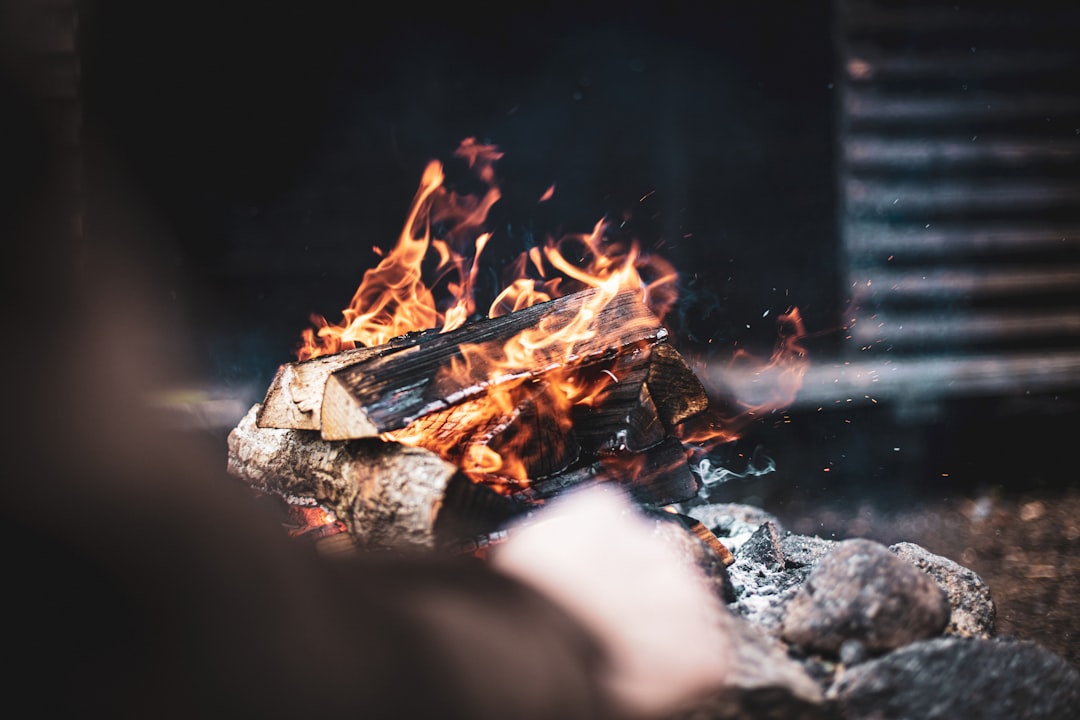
389	392
531	438
535	434
294	398
657	476
387	494
623	415
674	387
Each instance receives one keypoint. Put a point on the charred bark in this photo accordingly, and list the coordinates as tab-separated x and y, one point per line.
387	393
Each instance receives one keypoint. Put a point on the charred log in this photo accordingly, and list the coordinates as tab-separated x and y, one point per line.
674	387
622	416
294	398
657	476
389	392
526	435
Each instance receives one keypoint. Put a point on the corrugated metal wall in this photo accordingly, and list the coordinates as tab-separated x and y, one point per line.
959	185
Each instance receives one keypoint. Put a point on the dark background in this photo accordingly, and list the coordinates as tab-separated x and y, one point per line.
275	146
262	150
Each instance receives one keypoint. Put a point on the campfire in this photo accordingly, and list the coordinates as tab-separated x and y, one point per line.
420	420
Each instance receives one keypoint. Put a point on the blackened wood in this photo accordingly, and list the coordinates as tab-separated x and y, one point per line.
534	434
387	494
388	393
623	415
674	387
657	476
294	398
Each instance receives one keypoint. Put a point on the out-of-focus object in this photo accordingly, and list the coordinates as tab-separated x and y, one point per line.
958	139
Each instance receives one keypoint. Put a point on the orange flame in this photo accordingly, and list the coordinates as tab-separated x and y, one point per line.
393	299
774	384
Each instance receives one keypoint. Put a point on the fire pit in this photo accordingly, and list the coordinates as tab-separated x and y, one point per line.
452	430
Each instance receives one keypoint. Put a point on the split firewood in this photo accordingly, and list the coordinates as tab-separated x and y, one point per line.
534	435
500	446
294	398
674	386
387	494
622	415
389	392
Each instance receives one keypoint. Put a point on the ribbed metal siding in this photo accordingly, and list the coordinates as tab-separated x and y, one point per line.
959	172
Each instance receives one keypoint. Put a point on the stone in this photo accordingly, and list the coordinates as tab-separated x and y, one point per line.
955	677
973	613
803	550
861	591
763	547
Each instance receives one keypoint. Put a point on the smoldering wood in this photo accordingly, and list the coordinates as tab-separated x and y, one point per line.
674	387
389	392
531	432
387	494
657	476
294	398
623	415
535	432
707	536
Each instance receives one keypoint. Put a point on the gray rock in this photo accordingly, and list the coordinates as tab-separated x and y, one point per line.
861	591
767	573
953	677
763	547
761	596
803	550
973	611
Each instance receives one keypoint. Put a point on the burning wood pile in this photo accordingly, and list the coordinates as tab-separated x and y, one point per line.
418	420
435	437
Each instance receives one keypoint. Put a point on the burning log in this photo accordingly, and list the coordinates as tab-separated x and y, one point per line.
387	494
294	398
435	435
674	387
649	394
532	433
622	416
389	392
